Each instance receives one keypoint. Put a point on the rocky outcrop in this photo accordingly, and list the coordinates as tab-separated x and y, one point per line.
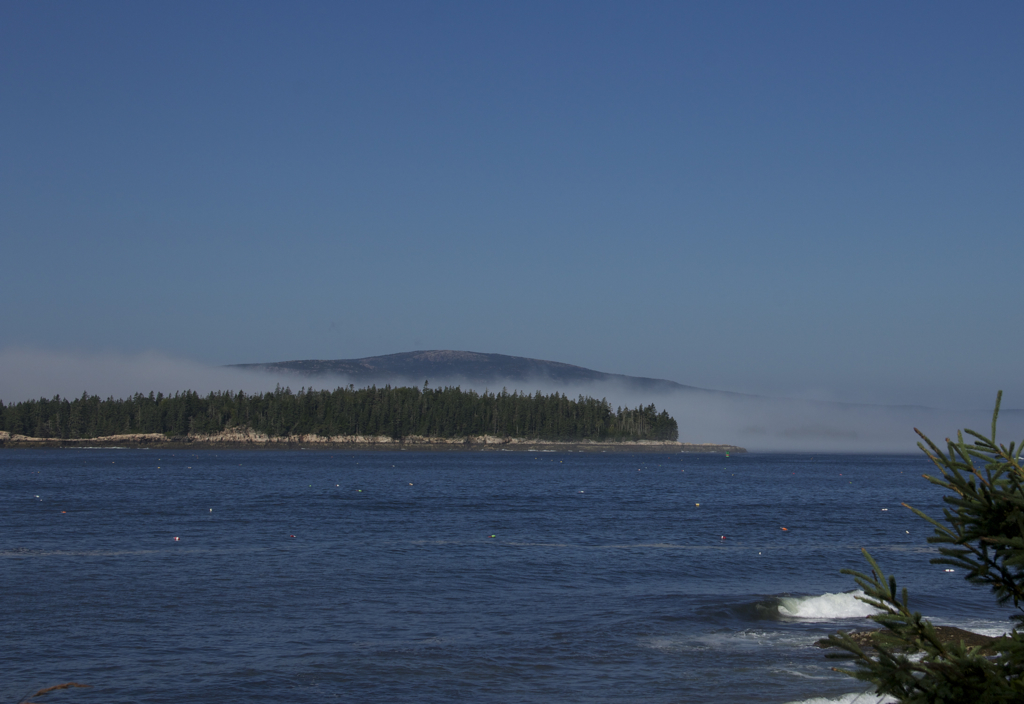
246	437
15	440
946	634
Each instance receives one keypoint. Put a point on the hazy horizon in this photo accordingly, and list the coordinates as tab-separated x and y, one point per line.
757	423
803	201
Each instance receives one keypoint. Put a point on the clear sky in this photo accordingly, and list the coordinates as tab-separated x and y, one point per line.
805	199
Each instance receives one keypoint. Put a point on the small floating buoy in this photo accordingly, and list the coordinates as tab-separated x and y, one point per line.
949	570
292	536
784	528
885	509
175	538
697	504
723	537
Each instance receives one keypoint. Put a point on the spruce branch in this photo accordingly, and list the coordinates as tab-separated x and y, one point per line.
982	532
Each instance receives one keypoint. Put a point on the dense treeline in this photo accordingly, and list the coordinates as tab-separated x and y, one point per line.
394	412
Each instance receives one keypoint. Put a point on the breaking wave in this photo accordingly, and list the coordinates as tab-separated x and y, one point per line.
852	698
826	607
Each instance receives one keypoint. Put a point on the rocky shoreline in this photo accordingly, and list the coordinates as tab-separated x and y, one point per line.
947	635
248	439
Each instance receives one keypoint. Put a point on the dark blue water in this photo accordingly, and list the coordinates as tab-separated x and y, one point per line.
436	577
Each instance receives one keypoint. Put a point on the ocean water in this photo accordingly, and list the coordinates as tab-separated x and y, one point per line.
314	576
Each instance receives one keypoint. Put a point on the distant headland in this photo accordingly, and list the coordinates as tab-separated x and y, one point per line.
454	366
370	418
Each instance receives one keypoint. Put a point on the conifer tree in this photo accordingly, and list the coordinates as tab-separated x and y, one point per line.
982	532
393	411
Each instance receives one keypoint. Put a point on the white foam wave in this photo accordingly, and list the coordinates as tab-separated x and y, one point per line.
747	639
826	607
797	673
852	698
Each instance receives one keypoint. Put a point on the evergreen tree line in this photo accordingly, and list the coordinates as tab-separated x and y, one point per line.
390	411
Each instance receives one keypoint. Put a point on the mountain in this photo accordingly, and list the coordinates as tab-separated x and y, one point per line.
451	365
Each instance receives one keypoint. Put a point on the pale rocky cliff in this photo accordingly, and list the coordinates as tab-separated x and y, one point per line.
246	437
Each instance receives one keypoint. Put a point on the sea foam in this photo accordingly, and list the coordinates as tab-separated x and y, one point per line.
826	607
852	698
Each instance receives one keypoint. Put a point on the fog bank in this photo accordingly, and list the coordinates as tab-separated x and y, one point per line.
754	422
765	424
31	373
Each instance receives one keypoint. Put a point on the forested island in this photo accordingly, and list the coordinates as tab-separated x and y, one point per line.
383	413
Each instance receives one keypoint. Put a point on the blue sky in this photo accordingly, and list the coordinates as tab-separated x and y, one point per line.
799	199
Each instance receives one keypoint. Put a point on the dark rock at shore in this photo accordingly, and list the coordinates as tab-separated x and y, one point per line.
946	634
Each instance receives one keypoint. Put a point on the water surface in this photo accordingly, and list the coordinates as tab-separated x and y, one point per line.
312	576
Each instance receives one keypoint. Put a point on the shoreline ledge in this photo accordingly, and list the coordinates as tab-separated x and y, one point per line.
947	635
248	439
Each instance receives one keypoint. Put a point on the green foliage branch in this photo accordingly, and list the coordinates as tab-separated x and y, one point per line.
982	533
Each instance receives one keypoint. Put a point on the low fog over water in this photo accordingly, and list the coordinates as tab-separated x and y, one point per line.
761	423
755	422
